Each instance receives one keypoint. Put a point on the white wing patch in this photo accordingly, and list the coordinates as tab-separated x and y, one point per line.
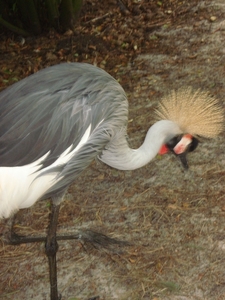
14	186
22	186
67	155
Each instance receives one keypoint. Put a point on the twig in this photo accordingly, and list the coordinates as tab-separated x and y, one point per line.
98	18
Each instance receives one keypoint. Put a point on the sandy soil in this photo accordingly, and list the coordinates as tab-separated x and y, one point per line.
175	219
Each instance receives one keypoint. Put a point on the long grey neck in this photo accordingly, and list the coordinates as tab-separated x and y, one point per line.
120	156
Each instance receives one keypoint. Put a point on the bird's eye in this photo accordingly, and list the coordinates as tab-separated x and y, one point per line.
194	144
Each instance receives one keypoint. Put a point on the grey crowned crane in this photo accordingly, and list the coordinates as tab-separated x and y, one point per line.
56	121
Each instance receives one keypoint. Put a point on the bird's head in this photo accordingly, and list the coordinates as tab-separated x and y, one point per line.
180	146
195	112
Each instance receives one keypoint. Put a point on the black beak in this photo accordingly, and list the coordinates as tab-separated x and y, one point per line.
183	159
190	148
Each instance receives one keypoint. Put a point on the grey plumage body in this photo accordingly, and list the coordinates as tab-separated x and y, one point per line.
51	110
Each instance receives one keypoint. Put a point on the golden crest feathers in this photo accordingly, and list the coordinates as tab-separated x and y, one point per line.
195	112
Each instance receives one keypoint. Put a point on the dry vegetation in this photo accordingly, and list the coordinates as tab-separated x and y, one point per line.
174	219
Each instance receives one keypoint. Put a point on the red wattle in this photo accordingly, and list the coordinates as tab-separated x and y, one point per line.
163	150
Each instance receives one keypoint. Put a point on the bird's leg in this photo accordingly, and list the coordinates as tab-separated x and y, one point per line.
51	248
15	239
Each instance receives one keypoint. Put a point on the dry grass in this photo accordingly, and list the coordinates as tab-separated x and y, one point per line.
173	219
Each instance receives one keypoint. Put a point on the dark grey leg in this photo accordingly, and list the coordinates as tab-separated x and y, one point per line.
51	248
97	239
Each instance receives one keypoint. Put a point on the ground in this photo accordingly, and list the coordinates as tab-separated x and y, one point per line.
174	219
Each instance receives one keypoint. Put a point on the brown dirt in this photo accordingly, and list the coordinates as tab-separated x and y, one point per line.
175	219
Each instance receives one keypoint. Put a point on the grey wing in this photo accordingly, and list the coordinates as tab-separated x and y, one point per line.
52	109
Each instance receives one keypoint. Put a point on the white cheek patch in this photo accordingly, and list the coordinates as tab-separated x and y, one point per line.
183	144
